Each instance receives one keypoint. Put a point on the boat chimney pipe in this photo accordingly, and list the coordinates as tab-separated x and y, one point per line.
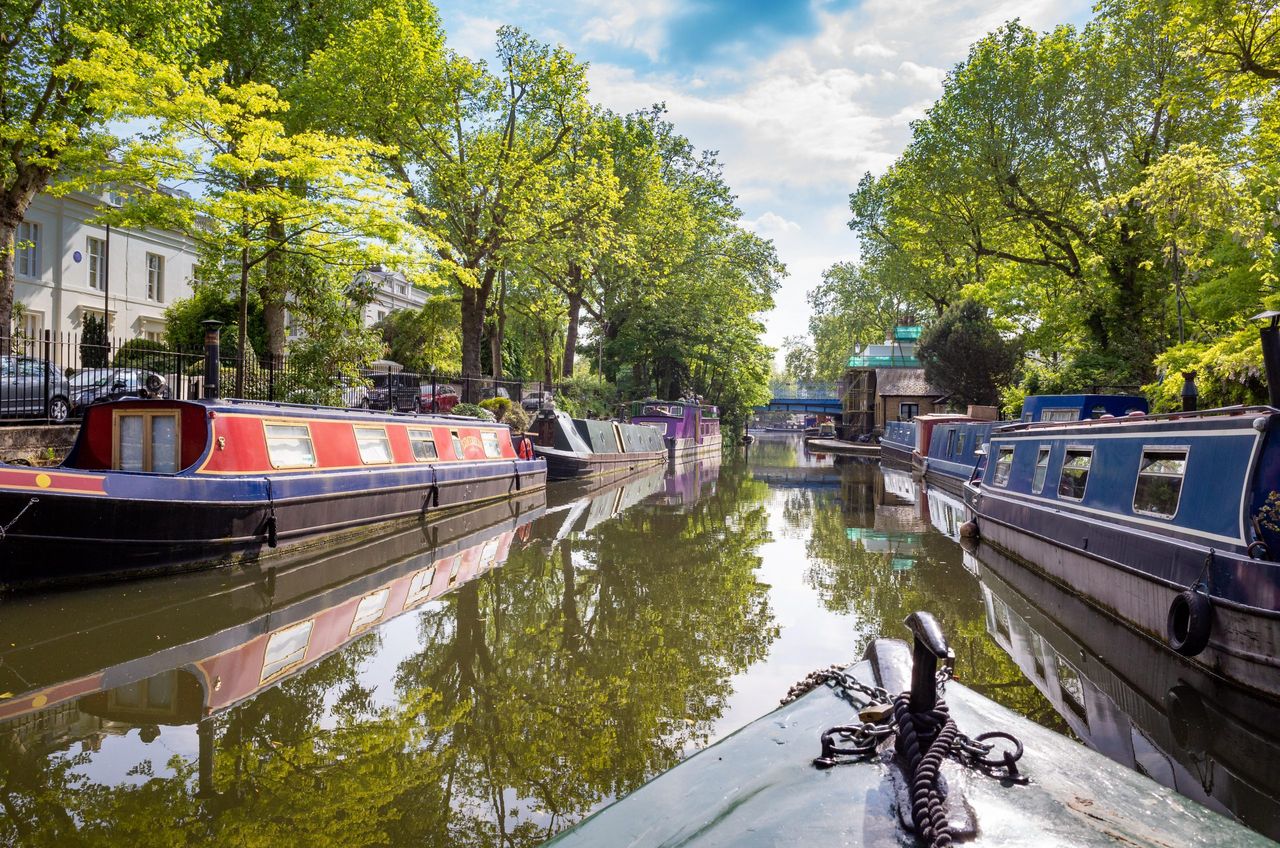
1271	354
212	356
1189	392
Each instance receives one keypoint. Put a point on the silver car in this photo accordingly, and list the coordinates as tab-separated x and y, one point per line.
32	387
96	384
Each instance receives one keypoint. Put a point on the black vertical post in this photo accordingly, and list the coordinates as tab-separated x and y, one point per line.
1271	355
212	357
271	377
48	363
435	392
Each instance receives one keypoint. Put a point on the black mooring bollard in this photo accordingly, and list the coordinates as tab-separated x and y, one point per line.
930	645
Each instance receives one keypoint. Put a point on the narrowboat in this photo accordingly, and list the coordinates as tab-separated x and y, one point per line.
691	428
158	485
199	644
1132	699
575	448
898	442
1169	522
811	773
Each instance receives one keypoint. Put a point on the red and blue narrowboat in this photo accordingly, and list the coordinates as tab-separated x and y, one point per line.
159	485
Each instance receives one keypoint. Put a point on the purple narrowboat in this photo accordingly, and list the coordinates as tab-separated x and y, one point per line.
689	427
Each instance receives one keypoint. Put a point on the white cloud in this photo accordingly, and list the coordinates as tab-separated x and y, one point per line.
633	24
771	224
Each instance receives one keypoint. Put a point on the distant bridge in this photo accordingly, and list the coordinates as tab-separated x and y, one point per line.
814	398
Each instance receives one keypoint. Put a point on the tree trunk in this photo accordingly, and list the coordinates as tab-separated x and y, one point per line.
13	206
473	302
571	334
499	327
272	294
243	335
8	277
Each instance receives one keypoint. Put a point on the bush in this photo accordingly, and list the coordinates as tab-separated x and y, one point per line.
586	394
145	353
517	418
499	406
474	410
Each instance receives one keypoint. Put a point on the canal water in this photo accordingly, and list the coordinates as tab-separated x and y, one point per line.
492	678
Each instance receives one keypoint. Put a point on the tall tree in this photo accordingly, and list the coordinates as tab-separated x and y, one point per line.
55	121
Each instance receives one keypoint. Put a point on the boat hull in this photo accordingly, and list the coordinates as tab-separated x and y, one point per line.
66	538
682	449
576	465
1244	643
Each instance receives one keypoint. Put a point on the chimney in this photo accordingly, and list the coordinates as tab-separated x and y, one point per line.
1189	393
1271	354
212	355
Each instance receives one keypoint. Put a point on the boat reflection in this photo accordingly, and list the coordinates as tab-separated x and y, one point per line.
1134	700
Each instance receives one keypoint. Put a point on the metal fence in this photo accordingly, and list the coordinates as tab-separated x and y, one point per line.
51	379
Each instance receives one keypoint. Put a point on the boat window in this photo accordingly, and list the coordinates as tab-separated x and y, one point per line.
960	444
490	442
369	609
1042	470
1098	411
457	444
286	648
420	586
146	441
423	443
1159	483
289	445
1004	463
375	447
1075	473
951	441
1059	415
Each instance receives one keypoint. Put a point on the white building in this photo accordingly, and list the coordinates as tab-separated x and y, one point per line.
63	266
394	292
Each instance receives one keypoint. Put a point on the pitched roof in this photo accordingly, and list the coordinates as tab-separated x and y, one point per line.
904	382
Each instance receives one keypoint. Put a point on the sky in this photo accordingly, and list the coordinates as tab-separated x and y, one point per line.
800	97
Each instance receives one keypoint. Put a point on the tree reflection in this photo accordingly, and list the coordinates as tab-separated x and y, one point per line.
881	564
530	695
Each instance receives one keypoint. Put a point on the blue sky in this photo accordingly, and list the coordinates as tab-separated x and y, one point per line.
800	97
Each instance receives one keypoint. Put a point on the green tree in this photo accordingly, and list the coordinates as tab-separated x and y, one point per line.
55	121
964	355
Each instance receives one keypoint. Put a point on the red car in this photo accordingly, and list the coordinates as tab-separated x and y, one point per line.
444	399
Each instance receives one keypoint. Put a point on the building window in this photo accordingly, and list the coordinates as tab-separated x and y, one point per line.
146	441
423	443
907	411
97	250
155	277
1004	464
1075	473
1042	470
375	447
289	445
1159	484
33	325
28	249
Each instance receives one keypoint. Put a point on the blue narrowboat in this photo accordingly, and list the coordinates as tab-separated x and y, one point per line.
899	441
1170	522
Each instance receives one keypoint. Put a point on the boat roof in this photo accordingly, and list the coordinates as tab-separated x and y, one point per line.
302	410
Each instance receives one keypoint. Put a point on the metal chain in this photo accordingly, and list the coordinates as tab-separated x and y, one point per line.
4	529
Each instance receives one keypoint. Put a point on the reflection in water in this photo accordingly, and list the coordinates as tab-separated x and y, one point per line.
505	703
490	678
1132	699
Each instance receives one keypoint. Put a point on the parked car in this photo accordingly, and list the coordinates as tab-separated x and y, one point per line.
354	395
444	400
102	384
492	392
23	382
394	391
534	401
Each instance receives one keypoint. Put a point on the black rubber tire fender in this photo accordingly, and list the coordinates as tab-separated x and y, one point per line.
1190	622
